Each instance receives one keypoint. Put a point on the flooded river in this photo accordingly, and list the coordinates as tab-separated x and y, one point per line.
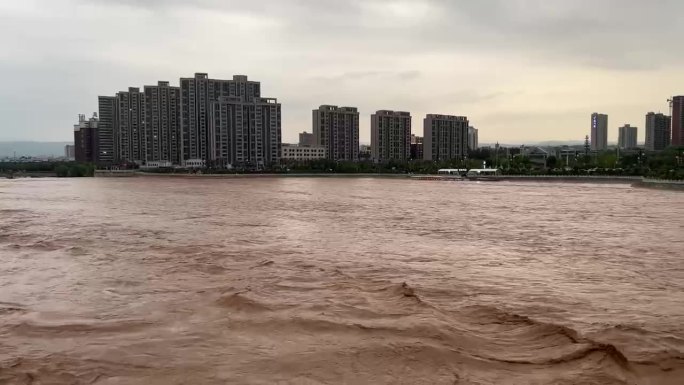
339	281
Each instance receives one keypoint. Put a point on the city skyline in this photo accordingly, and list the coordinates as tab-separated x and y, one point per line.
562	62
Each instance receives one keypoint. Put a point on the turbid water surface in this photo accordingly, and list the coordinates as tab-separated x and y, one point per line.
339	281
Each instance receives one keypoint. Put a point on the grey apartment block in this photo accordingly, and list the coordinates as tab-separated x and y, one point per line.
445	137
130	132
197	95
473	143
599	131
337	129
627	137
162	123
107	129
307	139
657	131
245	133
390	136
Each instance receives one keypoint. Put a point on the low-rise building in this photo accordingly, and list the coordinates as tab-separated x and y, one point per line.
302	152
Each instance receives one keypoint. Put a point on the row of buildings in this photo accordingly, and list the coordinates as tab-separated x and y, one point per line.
661	130
228	123
335	135
202	122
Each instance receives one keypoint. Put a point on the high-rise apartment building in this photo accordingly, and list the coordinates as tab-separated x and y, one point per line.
130	132
390	135
599	131
244	133
307	139
86	139
197	95
107	129
677	103
445	137
657	131
337	129
627	137
162	123
472	138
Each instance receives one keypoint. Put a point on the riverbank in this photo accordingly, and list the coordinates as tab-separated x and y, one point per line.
31	174
635	181
660	184
273	175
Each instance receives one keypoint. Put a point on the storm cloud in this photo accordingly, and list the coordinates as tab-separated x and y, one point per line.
522	70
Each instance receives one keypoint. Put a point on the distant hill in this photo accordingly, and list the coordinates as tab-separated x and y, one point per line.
32	148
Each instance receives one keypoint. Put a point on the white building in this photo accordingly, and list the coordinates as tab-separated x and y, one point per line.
300	152
70	152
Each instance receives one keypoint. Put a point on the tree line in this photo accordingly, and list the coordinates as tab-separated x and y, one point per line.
60	169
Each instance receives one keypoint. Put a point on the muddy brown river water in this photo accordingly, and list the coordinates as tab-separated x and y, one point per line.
339	281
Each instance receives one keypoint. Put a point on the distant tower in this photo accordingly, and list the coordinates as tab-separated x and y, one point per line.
677	120
599	131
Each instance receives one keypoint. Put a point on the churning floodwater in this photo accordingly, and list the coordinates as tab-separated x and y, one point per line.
339	281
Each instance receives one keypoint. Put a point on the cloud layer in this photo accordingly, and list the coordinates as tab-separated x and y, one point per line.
521	70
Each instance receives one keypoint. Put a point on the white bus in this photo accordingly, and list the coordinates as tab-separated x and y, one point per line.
484	174
452	171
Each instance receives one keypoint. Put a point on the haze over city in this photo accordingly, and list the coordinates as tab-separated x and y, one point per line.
520	70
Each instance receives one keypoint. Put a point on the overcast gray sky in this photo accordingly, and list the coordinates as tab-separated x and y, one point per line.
521	70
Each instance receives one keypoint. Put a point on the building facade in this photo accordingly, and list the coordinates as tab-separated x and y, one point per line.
86	140
657	131
107	129
473	143
677	103
244	133
130	146
300	152
337	129
70	152
445	137
197	96
417	147
627	137
390	136
599	132
307	139
162	124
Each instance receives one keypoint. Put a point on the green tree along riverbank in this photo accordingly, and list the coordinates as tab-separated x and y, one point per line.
667	164
59	169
